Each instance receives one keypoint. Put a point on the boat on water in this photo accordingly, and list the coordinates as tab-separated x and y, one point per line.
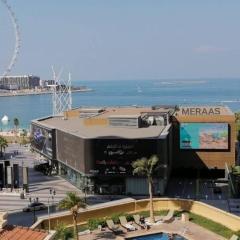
139	90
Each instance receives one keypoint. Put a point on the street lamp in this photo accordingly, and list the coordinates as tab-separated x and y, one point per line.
86	188
52	193
34	200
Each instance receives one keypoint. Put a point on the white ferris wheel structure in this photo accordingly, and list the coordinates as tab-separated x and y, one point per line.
15	25
61	91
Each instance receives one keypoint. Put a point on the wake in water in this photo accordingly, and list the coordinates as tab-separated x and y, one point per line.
180	82
231	101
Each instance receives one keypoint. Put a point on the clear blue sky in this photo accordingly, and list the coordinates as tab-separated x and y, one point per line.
126	39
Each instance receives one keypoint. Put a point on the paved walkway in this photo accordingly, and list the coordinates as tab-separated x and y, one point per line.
188	230
39	184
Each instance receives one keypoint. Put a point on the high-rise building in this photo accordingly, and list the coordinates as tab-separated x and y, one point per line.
19	82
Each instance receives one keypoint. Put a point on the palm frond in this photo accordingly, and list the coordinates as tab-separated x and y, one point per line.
140	166
145	166
139	171
71	201
153	161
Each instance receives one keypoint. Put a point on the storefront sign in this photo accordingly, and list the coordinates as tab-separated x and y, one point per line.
200	111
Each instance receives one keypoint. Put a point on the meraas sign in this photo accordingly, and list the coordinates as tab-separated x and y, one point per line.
200	111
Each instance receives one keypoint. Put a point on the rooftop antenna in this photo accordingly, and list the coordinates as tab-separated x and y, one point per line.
61	93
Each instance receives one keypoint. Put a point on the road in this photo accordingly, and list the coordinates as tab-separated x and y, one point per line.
24	218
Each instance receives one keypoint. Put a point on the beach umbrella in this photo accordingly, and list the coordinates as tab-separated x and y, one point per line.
5	120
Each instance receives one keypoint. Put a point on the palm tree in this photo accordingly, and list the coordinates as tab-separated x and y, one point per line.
23	134
3	144
16	123
73	203
146	167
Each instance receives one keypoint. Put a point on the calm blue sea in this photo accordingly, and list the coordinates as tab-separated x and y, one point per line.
122	93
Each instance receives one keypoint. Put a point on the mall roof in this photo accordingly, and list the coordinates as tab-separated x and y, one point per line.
76	125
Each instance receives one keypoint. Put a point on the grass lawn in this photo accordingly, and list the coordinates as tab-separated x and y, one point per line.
210	225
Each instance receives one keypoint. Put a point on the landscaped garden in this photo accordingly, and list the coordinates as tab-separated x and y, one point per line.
206	223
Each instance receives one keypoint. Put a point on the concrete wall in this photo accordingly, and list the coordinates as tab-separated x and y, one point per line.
105	210
70	150
89	155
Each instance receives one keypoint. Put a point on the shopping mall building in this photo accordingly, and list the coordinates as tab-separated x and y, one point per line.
95	147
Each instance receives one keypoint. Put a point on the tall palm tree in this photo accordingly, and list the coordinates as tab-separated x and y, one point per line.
73	203
16	123
146	167
3	144
23	134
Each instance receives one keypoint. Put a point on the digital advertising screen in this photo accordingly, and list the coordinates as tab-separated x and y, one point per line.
204	136
115	156
42	140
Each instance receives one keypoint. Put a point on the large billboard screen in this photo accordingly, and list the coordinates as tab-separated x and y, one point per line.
42	140
204	136
115	156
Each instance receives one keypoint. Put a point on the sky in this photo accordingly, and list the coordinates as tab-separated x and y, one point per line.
124	39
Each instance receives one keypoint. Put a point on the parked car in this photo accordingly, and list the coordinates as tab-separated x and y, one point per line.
34	206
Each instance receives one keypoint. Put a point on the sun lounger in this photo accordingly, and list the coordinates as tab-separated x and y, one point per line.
167	218
84	232
234	237
126	225
113	227
158	218
137	221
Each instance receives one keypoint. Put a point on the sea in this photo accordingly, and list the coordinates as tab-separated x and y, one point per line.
126	93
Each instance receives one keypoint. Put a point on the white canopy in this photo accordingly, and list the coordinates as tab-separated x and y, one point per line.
5	120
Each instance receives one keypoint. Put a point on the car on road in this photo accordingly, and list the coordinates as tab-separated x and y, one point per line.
36	206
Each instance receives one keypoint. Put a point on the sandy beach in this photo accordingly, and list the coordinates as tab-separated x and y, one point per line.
7	133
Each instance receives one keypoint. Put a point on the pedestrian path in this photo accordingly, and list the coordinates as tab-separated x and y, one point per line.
39	184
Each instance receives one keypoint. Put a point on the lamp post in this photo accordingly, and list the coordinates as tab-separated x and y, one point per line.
52	193
34	200
86	187
49	226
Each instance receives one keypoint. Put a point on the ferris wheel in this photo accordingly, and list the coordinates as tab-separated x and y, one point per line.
17	37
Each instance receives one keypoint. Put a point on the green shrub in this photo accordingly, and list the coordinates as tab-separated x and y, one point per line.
129	217
115	217
94	222
178	213
143	213
156	213
62	232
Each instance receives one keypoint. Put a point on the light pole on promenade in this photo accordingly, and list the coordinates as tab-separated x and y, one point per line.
52	193
34	200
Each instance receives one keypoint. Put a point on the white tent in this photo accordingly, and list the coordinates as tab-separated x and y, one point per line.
5	120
